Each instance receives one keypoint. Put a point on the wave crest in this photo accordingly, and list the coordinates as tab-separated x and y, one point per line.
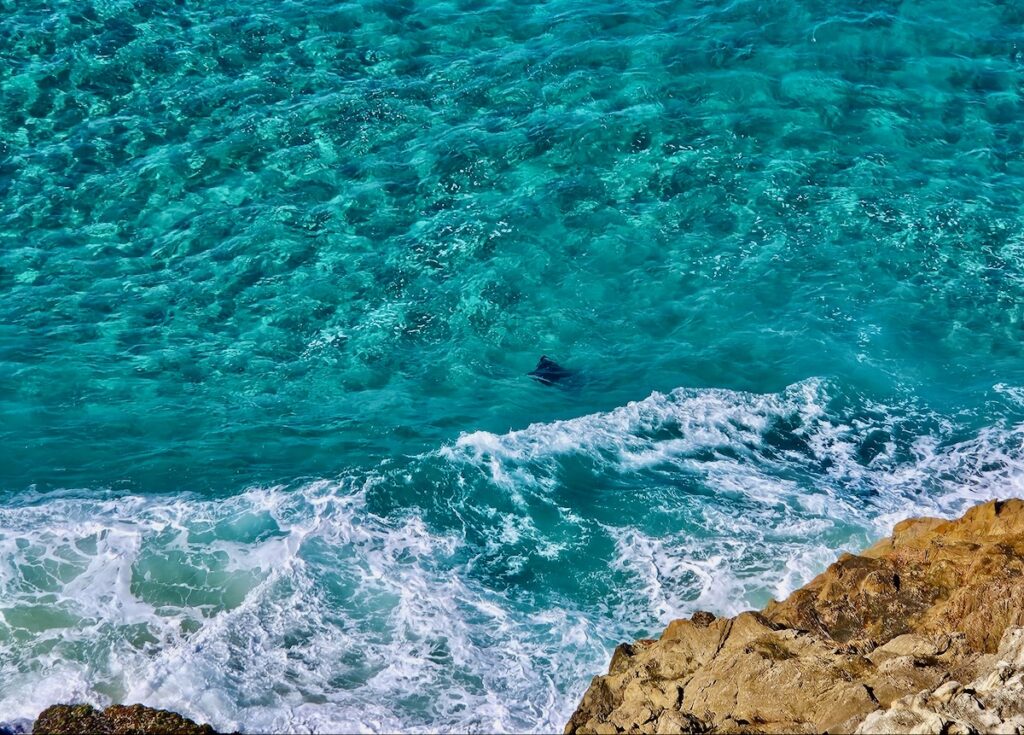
474	588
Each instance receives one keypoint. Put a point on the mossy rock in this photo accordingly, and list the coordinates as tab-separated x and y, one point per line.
84	719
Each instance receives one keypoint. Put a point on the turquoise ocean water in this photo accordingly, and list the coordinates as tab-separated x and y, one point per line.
272	274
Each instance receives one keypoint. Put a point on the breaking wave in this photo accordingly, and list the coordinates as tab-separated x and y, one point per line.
476	587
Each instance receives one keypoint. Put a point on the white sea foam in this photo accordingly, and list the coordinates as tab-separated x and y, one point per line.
415	635
778	509
284	609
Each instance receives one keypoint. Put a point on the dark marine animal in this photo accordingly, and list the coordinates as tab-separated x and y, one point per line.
549	372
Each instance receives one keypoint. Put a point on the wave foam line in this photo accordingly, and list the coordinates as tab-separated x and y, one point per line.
306	610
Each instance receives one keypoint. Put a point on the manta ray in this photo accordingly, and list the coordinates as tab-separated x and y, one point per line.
549	372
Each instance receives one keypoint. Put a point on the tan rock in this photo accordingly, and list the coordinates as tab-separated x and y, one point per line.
879	640
994	702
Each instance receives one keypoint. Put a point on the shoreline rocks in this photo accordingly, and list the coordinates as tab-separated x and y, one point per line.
873	644
118	719
994	702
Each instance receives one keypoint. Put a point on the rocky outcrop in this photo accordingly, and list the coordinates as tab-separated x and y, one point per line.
874	642
83	719
994	702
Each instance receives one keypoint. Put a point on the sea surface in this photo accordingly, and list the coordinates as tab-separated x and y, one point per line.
272	274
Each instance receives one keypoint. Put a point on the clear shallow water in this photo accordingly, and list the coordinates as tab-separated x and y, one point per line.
271	276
